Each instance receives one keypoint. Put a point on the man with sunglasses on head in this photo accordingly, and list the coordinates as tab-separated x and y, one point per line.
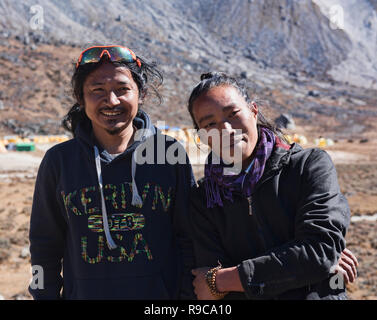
116	227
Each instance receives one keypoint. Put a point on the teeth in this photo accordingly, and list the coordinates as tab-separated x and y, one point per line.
111	113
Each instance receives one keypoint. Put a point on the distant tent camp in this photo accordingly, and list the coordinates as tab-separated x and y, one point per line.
2	147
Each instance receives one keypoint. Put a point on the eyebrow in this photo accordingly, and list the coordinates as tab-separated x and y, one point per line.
209	116
228	107
101	83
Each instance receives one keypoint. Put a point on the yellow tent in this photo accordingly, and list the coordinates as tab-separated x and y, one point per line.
2	147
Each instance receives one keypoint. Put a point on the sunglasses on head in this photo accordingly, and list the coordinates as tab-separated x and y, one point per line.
114	53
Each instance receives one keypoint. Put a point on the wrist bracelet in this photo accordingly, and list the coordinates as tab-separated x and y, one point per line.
211	282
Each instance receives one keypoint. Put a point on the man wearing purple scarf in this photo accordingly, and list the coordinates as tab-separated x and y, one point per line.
276	230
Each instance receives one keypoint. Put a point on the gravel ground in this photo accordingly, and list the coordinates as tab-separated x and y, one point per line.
357	180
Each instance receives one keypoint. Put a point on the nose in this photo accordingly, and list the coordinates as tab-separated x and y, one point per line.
112	99
226	128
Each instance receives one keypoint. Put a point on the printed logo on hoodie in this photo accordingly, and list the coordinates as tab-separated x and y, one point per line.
125	224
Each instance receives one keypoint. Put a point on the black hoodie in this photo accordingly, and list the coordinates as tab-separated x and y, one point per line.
151	255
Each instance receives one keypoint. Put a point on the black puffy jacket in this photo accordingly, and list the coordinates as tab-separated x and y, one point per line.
286	237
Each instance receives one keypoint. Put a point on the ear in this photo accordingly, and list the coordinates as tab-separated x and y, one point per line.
254	108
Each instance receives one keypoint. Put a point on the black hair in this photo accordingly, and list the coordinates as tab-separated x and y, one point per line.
146	76
215	79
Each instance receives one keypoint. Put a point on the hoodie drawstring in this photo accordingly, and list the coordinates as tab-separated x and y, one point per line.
141	135
110	242
136	199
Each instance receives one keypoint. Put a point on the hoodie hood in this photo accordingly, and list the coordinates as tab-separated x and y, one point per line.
85	135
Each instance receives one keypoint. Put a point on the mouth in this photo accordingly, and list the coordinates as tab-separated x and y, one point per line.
110	114
233	141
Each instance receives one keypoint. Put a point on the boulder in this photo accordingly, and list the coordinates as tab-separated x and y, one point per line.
285	121
25	252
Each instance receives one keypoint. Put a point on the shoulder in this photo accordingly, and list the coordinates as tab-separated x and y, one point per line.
49	166
310	156
62	147
314	165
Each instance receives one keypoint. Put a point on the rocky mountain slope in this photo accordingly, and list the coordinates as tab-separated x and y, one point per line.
287	51
358	19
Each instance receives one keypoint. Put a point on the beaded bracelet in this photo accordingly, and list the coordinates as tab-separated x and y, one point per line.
211	282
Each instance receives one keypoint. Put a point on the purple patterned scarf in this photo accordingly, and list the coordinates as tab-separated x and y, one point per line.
218	185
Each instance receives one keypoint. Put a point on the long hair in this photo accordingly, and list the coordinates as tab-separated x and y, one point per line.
215	79
147	76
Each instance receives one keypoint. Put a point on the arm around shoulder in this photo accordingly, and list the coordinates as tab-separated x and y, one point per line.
322	218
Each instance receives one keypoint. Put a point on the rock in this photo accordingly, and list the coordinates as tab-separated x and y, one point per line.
243	75
26	39
25	252
4	243
285	121
313	93
4	255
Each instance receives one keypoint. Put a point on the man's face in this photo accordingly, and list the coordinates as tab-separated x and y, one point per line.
111	99
222	109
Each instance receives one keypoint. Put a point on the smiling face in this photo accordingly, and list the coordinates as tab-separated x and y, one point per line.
111	99
223	108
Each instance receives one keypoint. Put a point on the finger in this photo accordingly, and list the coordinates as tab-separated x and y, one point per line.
346	260
344	273
195	272
351	255
348	270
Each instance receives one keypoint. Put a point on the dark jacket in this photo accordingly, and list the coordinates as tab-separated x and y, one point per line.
153	258
284	238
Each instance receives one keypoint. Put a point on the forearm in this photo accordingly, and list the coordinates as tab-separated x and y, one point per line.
294	265
228	279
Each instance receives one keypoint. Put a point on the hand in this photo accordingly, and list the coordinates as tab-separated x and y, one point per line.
347	265
201	288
